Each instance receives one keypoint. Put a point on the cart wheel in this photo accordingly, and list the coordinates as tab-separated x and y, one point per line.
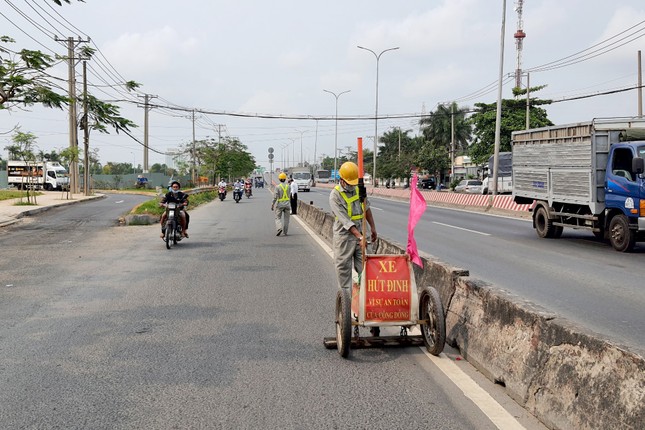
343	322
434	330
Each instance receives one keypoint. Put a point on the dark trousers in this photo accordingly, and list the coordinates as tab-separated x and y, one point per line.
294	203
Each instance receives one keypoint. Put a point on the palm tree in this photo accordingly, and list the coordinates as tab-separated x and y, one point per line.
437	127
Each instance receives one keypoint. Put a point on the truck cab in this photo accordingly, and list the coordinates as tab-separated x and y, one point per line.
302	177
624	184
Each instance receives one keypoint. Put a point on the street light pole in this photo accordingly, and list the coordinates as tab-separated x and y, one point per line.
293	152
301	133
378	57
336	133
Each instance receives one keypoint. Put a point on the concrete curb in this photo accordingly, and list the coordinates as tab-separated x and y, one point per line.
565	375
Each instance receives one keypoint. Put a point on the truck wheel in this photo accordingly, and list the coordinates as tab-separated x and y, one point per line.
543	225
48	187
620	236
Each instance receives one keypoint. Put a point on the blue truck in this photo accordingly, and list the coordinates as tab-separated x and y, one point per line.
584	176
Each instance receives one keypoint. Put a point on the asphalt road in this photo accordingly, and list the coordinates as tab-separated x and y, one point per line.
578	277
104	328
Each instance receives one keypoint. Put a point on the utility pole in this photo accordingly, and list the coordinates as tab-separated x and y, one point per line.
640	87
315	147
528	101
399	143
192	153
146	109
452	142
73	135
498	114
86	136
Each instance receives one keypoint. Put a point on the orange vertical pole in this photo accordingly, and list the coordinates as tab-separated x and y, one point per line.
361	184
360	157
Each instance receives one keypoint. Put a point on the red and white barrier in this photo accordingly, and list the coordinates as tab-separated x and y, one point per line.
499	201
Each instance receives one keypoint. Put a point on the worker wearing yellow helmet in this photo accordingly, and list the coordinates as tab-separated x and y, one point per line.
346	207
281	206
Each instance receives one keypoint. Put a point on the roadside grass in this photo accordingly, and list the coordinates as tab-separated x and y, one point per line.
151	207
13	194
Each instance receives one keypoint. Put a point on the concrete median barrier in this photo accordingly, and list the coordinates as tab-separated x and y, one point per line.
566	376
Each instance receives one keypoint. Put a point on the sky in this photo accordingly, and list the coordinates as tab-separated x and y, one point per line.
256	70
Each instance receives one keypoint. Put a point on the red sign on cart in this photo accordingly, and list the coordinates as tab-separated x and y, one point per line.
388	292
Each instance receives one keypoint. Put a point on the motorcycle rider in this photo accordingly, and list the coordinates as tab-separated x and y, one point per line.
238	186
248	186
222	185
181	198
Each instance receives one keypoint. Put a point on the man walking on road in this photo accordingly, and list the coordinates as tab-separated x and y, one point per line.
281	209
293	196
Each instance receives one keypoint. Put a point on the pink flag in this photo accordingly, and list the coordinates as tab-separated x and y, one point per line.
417	208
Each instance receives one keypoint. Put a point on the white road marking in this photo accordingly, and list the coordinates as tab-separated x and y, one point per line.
484	401
119	201
493	410
461	228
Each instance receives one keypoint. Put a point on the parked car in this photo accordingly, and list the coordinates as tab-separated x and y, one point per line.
426	183
469	186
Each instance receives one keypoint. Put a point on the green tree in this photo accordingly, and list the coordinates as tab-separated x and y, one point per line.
433	158
436	128
101	114
397	156
226	158
24	79
513	119
49	156
111	168
68	157
24	145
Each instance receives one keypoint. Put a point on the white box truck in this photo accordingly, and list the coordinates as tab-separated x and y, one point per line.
48	175
302	177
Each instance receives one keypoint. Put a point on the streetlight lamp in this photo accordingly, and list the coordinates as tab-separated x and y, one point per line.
378	57
336	133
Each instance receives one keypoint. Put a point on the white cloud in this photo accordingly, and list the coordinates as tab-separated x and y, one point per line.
444	28
158	50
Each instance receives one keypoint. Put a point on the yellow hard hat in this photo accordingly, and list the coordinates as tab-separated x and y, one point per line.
349	173
282	176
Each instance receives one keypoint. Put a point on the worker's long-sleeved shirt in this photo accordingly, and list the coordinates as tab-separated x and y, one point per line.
343	223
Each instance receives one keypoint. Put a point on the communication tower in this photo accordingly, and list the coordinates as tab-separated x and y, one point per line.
519	41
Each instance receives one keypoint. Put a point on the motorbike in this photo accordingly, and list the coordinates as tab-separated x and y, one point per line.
237	194
248	191
173	226
221	193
